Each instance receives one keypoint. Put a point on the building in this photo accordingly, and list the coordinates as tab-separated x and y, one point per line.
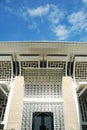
43	86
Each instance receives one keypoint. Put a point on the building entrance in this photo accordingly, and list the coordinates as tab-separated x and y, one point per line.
42	121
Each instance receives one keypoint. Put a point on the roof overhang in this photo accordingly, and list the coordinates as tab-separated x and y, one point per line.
65	48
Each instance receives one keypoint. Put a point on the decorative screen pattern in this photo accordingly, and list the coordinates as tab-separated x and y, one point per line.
43	83
57	64
5	70
30	108
3	102
83	108
81	71
31	64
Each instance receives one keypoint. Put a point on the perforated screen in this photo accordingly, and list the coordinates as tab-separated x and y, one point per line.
30	108
43	83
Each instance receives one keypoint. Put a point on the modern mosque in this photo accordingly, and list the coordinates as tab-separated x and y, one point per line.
43	86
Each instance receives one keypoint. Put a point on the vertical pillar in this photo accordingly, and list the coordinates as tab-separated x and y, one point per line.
70	113
15	111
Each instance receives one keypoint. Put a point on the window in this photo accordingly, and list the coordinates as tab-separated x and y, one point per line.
43	64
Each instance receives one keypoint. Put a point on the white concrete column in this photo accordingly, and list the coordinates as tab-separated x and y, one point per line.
15	107
70	113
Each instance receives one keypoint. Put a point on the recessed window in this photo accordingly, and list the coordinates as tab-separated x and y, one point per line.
42	121
43	64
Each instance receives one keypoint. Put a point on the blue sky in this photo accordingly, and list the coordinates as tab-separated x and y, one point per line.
43	20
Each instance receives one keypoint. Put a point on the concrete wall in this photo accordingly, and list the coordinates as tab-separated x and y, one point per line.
70	114
15	113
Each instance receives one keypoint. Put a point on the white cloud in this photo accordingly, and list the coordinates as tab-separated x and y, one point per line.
55	15
77	17
83	38
78	20
52	13
22	12
85	1
61	32
34	25
42	10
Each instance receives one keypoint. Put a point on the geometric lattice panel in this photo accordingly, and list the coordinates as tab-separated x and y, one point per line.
5	70
31	64
3	102
30	108
57	64
81	71
43	83
83	108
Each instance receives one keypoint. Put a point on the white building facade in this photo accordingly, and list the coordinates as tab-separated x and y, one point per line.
43	86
